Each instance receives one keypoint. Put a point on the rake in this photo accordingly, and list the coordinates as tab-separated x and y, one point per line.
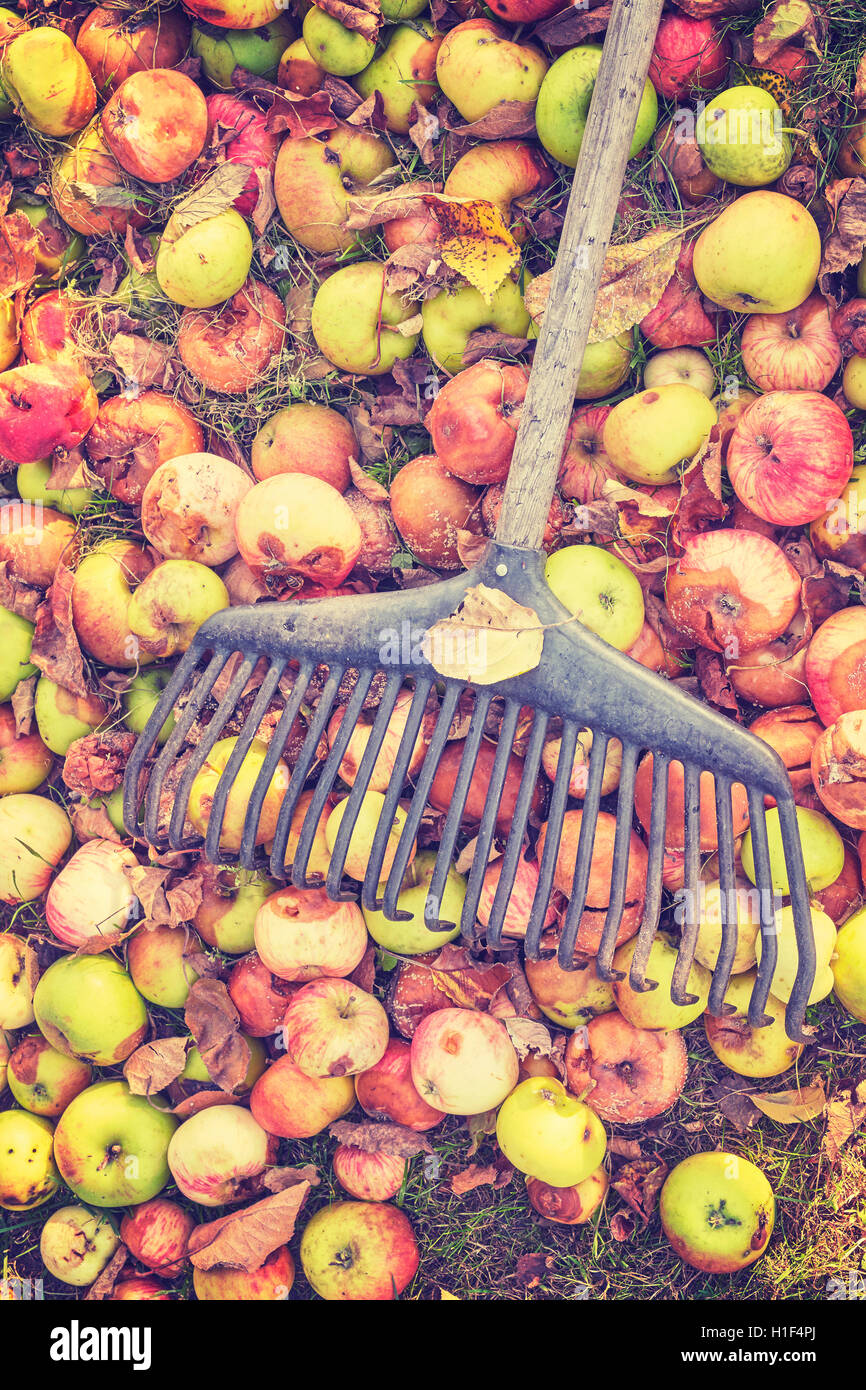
334	646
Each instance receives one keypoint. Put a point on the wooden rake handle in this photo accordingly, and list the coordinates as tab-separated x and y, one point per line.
576	274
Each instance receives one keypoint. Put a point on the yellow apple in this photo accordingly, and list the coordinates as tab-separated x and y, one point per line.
649	436
751	1051
824	931
548	1134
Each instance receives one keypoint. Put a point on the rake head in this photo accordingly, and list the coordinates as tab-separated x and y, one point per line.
362	653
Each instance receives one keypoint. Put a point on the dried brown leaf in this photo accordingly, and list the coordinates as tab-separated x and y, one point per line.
214	1022
376	1137
245	1238
155	1065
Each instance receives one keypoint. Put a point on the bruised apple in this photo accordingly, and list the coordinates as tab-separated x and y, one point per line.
474	418
549	1134
732	591
292	1105
308	438
314	178
44	406
624	1073
131	437
835	665
568	1206
386	1090
649	436
101	593
43	1080
114	46
431	508
189	505
838	767
260	998
34	542
19	976
600	870
442	788
301	935
295	524
334	1028
379	779
717	1211
463	1062
229	347
766	1051
569	998
220	1156
155	124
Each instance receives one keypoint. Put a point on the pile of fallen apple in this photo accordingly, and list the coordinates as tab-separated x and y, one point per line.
251	262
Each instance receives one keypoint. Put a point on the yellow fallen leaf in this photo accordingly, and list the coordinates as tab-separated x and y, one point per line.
632	283
446	1297
474	240
489	639
794	1106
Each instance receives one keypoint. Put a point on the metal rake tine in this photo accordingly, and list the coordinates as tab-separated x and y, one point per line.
266	771
176	738
795	1011
394	881
583	861
147	742
417	708
199	755
302	767
619	876
655	862
553	835
514	843
327	776
680	994
264	694
453	819
487	827
728	900
764	885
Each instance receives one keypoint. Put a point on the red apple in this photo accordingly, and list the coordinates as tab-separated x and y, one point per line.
790	456
288	1103
333	1028
156	1235
155	124
272	1279
91	900
600	872
44	406
132	436
359	1251
689	55
675	817
732	591
260	998
473	421
431	508
230	346
34	541
797	351
306	437
250	143
386	1090
585	466
442	787
114	45
372	1177
836	665
220	1155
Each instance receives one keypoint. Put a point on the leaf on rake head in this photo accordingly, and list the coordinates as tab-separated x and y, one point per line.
489	639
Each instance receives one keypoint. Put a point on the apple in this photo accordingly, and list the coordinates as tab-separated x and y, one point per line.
189	506
363	832
569	998
7	1042
92	897
732	591
837	769
140	698
568	1206
520	898
204	787
369	339
156	1234
748	1051
463	1062
760	255
359	1251
89	190
16	637
260	998
548	1134
222	1283
43	1080
648	437
718	1211
654	1008
28	1174
383	767
474	419
412	937
300	934
335	48
824	935
295	524
63	717
111	1145
794	351
564	99
689	56
307	438
741	137
430	508
334	1028
113	47
229	348
404	73
854	382
143	1287
314	178
220	1155
19	976
604	367
101	592
164	962
48	81
131	438
172	602
75	1245
299	72
222	51
507	173
600	874
230	899
822	845
44	406
771	443
33	543
451	316
626	1074
34	836
686	365
372	1177
236	14
31	480
600	590
747	912
289	1103
386	1090
478	66
836	664
205	263
25	761
87	1007
57	248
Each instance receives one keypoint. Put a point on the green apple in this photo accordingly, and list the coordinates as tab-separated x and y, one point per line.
76	1245
604	368
252	50
16	637
478	67
62	717
404	73
140	700
854	382
359	1252
748	909
548	1134
751	1051
171	603
822	845
395	11
335	48
195	1069
760	255
357	323
654	1008
226	917
849	965
686	365
651	435
563	105
139	290
43	1080
88	1007
31	481
412	938
28	1175
449	318
206	263
34	836
19	975
164	963
111	1146
824	933
740	135
718	1211
600	590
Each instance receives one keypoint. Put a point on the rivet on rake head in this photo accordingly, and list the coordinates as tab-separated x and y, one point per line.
501	570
